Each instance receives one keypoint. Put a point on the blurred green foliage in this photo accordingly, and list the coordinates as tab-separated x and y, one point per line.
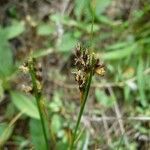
6	57
122	42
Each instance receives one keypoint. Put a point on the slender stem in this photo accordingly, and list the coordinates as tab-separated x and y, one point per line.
82	106
38	95
87	88
92	33
92	27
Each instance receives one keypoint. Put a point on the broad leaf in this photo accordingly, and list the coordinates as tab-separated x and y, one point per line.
14	30
37	136
6	60
25	104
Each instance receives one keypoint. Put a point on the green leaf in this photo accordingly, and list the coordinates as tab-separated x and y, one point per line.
106	20
141	82
25	104
68	43
10	111
120	53
6	67
6	58
100	5
56	123
79	7
118	45
37	136
5	133
44	29
14	30
62	146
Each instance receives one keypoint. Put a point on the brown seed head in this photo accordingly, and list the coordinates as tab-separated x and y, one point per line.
84	66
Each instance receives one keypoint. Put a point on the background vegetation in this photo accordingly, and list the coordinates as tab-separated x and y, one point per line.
118	107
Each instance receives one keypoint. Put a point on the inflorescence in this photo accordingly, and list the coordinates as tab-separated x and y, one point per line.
84	64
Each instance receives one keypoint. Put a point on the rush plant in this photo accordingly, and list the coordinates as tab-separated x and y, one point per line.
38	95
87	65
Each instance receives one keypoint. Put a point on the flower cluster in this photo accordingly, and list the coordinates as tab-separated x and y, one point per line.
84	64
37	68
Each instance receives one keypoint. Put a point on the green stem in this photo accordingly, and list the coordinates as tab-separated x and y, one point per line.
87	88
82	107
92	33
38	95
92	27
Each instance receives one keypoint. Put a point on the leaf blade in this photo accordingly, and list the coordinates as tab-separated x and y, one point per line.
26	106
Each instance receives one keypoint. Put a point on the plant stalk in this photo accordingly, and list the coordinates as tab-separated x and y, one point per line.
38	96
86	92
87	88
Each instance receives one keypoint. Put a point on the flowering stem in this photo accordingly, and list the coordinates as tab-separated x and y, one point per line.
38	95
86	92
87	86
